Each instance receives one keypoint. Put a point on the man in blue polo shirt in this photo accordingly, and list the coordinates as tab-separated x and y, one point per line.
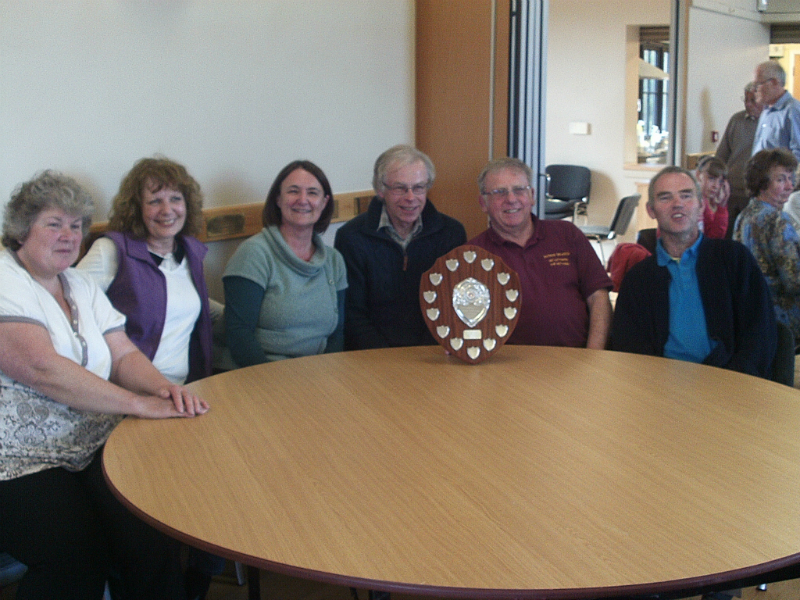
696	299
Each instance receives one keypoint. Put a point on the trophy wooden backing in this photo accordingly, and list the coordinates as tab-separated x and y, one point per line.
470	300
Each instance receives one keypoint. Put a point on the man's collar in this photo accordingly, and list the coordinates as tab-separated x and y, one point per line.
780	102
386	222
498	238
664	258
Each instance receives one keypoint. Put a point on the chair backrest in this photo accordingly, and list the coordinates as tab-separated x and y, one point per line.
623	215
568	182
647	238
622	259
783	365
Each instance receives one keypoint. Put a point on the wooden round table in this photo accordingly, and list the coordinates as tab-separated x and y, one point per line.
541	473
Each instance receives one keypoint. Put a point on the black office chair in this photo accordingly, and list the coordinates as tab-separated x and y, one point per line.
647	238
619	223
567	193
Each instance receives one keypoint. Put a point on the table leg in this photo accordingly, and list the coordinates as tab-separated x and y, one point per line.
253	583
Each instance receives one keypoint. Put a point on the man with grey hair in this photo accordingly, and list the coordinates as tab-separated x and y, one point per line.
388	248
696	299
564	286
734	150
779	123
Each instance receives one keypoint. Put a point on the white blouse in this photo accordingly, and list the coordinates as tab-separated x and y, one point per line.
37	432
183	304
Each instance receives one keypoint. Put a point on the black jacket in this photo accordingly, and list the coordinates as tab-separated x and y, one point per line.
382	301
736	301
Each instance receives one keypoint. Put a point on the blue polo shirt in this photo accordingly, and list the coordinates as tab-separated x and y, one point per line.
688	334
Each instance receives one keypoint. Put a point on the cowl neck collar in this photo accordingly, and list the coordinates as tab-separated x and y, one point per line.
287	255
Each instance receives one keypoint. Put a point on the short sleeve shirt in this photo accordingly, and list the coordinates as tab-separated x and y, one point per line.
771	237
37	432
558	270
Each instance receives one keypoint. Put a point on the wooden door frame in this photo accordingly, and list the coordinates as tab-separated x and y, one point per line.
461	98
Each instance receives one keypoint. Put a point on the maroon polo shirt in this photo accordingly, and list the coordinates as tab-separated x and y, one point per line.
558	270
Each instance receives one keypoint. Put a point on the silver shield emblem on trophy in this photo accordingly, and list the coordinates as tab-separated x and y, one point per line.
471	301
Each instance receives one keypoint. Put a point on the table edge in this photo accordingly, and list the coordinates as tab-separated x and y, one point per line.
777	570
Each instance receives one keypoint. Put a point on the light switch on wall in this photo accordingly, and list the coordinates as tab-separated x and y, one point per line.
579	128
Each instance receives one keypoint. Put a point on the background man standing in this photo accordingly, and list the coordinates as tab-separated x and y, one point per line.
735	149
779	123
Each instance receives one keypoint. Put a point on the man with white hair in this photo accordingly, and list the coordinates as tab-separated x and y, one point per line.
779	123
564	286
388	248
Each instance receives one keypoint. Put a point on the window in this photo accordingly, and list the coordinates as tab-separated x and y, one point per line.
652	125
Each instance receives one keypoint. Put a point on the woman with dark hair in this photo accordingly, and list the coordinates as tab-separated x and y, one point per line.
68	374
712	175
284	288
771	234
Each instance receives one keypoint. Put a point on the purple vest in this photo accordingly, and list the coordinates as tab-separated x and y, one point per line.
139	291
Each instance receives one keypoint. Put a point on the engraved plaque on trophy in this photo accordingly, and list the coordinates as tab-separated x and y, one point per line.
470	301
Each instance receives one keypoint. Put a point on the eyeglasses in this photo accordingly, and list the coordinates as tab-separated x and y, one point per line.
758	84
502	193
399	189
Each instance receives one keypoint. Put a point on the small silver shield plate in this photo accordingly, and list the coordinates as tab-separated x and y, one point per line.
471	301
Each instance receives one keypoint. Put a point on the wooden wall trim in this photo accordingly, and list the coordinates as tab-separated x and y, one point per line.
244	220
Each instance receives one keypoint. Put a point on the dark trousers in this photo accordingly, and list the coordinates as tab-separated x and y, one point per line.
72	533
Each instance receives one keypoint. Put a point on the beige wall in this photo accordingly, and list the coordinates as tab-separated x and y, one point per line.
586	83
234	90
88	87
720	65
791	57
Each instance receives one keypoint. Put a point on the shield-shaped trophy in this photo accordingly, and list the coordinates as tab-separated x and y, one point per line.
470	301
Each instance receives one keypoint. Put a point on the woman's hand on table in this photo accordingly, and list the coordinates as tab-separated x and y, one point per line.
172	401
186	402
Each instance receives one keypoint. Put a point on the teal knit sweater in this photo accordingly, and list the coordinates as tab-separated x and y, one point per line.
278	306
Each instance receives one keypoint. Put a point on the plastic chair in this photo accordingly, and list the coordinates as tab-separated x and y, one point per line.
619	223
567	193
